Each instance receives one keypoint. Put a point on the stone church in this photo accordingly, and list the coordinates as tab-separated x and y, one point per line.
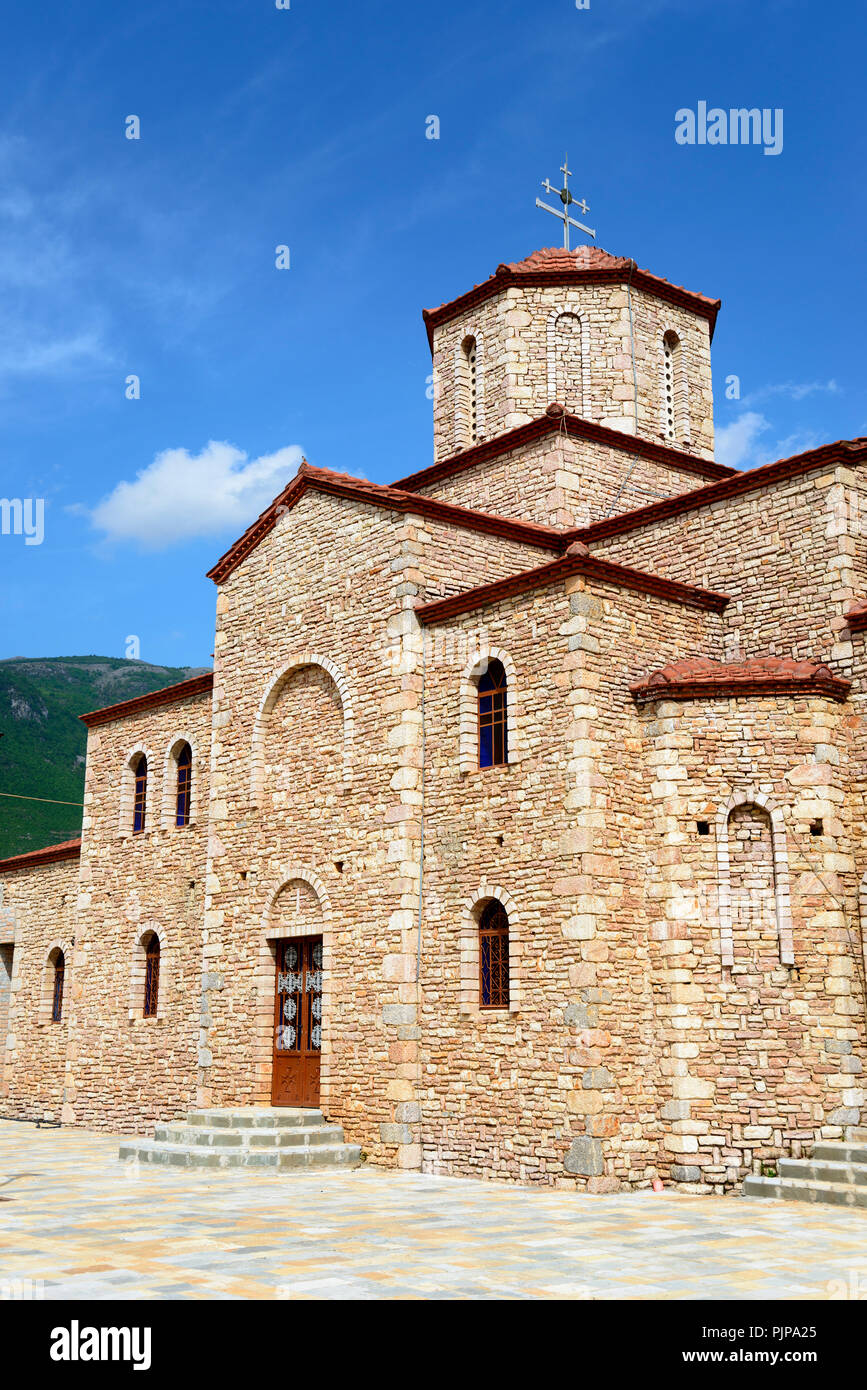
521	825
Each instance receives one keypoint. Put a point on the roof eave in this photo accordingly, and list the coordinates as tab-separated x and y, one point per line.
505	278
153	699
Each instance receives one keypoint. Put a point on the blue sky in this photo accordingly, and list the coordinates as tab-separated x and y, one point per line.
306	127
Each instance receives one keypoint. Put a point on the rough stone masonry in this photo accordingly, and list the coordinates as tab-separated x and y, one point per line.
675	834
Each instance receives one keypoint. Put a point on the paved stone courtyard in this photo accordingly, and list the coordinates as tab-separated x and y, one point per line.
82	1225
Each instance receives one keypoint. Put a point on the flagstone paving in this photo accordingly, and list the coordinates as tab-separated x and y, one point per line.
77	1223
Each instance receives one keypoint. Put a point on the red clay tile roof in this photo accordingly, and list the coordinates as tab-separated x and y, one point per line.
51	854
555	572
379	495
585	265
196	685
558	258
699	677
557	420
848	452
856	616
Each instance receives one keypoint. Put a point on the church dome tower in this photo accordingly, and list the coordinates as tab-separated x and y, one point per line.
613	344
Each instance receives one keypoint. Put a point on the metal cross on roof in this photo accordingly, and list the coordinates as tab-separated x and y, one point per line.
568	201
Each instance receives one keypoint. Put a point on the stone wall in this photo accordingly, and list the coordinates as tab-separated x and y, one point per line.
561	1088
324	604
519	350
757	968
791	556
127	1071
37	917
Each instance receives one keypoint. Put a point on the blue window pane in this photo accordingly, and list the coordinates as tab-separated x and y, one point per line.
486	746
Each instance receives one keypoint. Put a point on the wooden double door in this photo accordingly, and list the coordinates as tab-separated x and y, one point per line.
297	1022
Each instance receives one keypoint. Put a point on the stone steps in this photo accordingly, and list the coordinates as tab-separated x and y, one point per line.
840	1151
835	1173
259	1138
251	1138
795	1190
255	1117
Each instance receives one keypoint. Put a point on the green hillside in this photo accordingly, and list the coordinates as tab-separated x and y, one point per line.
43	742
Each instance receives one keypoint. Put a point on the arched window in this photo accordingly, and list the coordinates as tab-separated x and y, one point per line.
568	372
185	785
139	805
59	964
493	720
152	976
469	349
494	956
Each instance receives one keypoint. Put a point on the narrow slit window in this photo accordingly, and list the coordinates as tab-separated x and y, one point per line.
493	717
470	390
494	957
57	991
152	977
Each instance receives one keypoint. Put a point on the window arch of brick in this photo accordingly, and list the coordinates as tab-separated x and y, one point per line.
674	390
468	755
568	358
58	953
268	701
271	931
748	796
469	397
146	933
469	1004
127	790
168	818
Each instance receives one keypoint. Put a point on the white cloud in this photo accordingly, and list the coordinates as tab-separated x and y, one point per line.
792	390
51	356
183	496
735	443
801	442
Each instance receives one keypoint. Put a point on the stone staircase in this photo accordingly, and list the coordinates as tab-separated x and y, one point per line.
281	1139
835	1173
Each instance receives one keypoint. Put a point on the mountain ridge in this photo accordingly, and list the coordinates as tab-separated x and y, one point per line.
43	742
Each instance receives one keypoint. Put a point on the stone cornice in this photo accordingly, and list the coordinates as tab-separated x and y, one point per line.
699	679
557	571
506	276
856	618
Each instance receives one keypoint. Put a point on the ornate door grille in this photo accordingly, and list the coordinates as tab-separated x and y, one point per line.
494	957
152	978
297	1022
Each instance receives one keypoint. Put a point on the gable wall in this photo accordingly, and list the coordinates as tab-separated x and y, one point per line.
562	481
787	554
